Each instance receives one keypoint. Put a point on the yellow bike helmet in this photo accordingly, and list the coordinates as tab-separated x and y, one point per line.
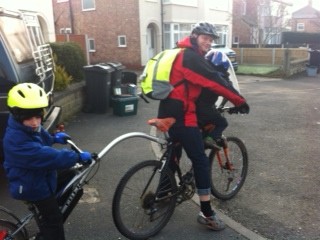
27	100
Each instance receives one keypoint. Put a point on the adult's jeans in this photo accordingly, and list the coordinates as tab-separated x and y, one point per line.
191	141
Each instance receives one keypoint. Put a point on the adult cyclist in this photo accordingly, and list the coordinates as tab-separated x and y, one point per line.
197	73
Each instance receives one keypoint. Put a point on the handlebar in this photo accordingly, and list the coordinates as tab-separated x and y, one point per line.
78	150
230	110
74	146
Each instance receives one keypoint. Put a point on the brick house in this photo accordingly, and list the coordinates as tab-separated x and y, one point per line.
259	21
132	31
244	21
111	28
306	19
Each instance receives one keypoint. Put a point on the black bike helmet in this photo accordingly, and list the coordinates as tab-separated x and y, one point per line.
206	29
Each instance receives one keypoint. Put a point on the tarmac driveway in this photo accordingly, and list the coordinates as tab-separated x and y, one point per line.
280	198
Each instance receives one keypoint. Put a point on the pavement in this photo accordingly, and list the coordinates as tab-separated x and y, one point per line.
280	186
92	132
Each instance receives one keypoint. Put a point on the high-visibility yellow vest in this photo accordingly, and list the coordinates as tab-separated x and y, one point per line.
155	79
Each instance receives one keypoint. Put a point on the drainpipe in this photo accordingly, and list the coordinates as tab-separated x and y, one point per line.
71	17
162	31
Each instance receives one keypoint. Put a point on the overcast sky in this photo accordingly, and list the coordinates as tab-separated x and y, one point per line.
297	4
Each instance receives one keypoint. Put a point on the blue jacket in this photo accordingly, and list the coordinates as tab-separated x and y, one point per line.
31	163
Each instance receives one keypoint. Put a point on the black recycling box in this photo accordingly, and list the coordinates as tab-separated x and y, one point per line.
125	105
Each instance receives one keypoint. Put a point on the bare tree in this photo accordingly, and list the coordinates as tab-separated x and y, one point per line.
263	20
273	18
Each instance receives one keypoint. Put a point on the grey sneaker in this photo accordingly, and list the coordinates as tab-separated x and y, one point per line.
213	222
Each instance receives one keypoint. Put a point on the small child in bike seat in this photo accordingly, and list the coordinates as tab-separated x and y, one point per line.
207	113
30	161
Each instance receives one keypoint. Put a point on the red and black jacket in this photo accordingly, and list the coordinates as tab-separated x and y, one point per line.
196	73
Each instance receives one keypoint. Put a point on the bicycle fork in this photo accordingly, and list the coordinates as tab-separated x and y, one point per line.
228	166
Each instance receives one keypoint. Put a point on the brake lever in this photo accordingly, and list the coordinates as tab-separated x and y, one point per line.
74	146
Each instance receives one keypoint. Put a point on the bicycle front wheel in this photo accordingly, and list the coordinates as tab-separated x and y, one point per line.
7	228
227	178
144	200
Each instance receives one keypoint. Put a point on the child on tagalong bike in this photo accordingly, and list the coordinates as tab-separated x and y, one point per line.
30	161
210	119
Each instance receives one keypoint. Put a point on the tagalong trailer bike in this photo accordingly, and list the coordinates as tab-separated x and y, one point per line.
68	195
148	193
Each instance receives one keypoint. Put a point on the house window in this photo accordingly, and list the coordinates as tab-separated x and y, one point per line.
91	45
223	33
300	27
122	41
173	32
65	31
88	5
236	40
244	7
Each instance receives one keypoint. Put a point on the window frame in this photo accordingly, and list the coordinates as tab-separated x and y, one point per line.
91	45
120	38
65	30
88	9
300	27
236	40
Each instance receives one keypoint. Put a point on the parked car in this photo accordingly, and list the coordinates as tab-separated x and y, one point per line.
25	57
229	52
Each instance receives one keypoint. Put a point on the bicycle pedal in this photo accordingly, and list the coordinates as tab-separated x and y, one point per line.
180	199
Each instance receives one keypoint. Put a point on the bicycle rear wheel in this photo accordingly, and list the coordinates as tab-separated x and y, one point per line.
144	200
7	227
226	181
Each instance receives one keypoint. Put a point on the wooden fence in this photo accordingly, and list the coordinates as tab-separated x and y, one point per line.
291	60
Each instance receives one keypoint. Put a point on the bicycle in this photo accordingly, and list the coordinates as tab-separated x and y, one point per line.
147	194
14	228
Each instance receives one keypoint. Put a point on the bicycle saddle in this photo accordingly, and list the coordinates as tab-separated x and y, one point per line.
163	124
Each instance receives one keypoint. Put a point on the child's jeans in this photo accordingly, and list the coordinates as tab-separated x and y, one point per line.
51	224
213	117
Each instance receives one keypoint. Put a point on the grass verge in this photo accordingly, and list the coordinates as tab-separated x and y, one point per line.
259	70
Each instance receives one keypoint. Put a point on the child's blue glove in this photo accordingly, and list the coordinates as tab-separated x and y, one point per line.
61	137
85	158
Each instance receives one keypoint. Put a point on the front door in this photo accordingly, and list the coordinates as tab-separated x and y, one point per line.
151	41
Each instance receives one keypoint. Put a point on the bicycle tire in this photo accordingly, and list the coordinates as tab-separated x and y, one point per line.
10	227
135	212
225	184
